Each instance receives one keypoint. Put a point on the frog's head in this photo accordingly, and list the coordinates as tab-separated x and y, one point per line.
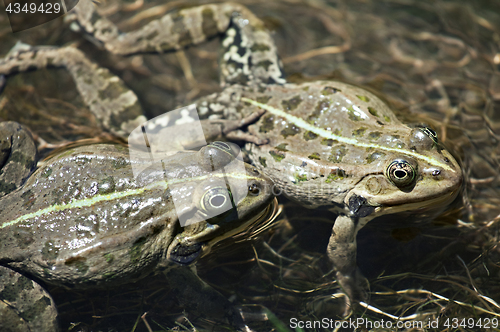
225	197
425	177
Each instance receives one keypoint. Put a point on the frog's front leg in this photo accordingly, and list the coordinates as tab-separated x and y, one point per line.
24	305
249	54
342	253
219	116
113	104
231	129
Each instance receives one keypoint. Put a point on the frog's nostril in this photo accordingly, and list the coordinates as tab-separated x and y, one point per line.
436	172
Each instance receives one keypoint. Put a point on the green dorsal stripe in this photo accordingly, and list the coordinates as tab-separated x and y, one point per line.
329	135
82	203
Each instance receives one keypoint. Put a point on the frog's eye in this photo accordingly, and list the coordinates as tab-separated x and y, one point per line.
216	200
232	149
423	137
218	154
401	173
430	133
254	189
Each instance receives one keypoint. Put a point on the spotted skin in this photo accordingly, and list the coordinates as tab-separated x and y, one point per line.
115	106
83	220
323	143
24	304
249	53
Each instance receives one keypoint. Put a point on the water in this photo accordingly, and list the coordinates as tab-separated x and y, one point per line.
435	61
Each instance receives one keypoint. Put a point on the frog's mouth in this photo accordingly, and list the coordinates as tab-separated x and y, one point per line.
186	250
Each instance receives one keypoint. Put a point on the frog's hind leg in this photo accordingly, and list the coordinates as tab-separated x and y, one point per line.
113	104
24	305
18	156
249	53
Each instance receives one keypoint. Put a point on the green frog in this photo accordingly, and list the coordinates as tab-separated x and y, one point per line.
324	144
84	219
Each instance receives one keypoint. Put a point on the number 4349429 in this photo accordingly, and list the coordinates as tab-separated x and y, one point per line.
43	8
485	323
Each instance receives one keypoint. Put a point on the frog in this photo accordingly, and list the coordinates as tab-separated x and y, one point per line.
84	220
325	144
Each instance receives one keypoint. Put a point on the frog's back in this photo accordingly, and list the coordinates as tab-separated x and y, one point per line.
323	138
312	117
80	212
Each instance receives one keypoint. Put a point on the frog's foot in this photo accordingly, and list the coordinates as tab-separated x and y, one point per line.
24	305
113	104
18	156
356	288
249	54
197	297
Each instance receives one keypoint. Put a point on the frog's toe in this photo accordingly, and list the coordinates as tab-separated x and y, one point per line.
239	135
24	305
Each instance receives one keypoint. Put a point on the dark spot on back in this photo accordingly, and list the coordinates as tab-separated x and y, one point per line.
328	141
359	132
50	252
337	154
267	124
309	135
264	64
328	90
208	25
11	291
278	156
180	29
282	147
314	155
373	111
259	47
263	99
291	104
374	135
290	130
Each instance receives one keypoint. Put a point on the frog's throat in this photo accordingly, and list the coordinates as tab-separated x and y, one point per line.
86	202
329	135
